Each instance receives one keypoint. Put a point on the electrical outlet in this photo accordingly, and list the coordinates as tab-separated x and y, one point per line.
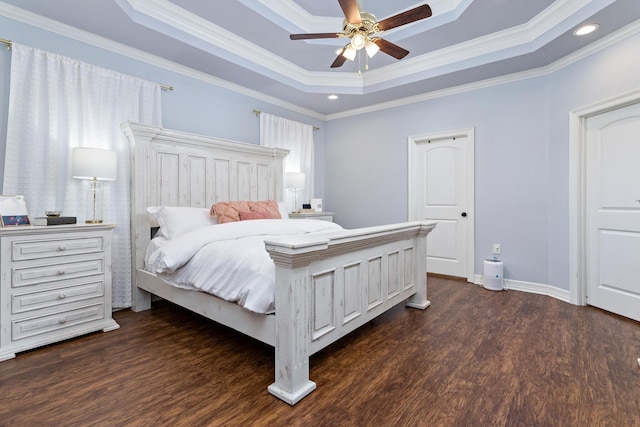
497	250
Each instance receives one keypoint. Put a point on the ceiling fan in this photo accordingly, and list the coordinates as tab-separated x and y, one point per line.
363	28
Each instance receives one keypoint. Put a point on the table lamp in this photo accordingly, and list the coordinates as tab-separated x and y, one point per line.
94	164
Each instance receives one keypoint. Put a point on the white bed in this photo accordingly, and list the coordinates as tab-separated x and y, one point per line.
326	284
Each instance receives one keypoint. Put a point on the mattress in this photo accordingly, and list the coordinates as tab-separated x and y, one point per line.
228	260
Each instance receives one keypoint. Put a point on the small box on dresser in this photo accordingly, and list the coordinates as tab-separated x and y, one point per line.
55	284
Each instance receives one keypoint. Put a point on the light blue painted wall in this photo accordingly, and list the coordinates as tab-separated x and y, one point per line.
613	72
510	161
522	155
194	106
521	162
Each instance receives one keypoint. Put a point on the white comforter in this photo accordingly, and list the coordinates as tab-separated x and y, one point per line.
229	260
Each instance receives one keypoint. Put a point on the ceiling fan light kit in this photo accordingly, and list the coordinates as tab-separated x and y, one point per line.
363	29
349	52
371	48
357	41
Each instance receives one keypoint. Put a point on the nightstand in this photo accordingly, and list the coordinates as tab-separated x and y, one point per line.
324	216
55	284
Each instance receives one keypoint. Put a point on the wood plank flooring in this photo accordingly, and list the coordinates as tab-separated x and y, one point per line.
474	358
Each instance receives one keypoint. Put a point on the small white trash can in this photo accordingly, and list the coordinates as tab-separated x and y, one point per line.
493	275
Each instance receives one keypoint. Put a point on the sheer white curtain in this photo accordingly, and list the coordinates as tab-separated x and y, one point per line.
298	139
57	103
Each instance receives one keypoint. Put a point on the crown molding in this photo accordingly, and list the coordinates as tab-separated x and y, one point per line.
91	39
558	18
164	16
291	17
591	49
176	22
64	30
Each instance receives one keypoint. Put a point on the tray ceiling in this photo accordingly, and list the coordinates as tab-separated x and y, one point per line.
246	42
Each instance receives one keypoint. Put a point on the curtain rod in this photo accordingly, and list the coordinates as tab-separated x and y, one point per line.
9	43
258	112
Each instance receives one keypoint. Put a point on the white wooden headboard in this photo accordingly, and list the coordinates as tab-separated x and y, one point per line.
172	168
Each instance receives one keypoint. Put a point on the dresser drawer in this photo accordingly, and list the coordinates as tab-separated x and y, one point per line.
31	275
72	292
37	249
26	328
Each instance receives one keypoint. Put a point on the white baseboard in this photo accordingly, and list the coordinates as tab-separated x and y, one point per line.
533	288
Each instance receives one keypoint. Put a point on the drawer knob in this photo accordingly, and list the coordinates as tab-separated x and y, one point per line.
62	296
60	272
62	320
62	248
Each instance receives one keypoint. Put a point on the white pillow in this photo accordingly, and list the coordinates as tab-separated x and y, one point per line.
175	221
284	212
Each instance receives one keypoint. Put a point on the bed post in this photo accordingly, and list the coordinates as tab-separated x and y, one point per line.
293	331
139	137
419	300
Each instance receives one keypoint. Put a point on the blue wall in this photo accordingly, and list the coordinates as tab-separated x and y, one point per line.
521	131
521	159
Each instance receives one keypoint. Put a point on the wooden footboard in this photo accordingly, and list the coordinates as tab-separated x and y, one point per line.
329	285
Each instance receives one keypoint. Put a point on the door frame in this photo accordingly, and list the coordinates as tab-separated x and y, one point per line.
577	189
468	133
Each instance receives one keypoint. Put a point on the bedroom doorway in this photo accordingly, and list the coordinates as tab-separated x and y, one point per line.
612	207
441	188
605	212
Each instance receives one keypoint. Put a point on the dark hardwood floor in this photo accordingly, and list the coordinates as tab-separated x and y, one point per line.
474	358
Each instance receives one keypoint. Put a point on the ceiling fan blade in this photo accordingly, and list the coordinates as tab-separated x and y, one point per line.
351	11
391	48
339	60
415	14
313	36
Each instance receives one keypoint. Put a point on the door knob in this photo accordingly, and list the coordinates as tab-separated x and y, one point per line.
464	214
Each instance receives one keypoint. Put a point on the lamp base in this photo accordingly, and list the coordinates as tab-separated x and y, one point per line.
93	208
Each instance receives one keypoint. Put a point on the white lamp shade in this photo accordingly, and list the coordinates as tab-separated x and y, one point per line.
357	41
90	163
294	180
349	53
371	48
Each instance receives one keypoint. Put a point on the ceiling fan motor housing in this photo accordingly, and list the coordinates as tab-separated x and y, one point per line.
367	26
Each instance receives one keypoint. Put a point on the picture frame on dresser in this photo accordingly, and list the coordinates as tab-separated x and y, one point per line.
316	204
13	211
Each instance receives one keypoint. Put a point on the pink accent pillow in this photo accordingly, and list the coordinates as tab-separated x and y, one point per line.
230	211
269	207
254	215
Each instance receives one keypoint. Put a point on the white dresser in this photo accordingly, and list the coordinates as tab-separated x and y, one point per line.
55	284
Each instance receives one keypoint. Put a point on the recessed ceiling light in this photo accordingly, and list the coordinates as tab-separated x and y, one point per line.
332	97
586	29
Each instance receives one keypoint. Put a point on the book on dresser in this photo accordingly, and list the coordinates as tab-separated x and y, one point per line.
54	220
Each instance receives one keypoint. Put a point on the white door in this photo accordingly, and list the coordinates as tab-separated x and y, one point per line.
441	189
613	211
